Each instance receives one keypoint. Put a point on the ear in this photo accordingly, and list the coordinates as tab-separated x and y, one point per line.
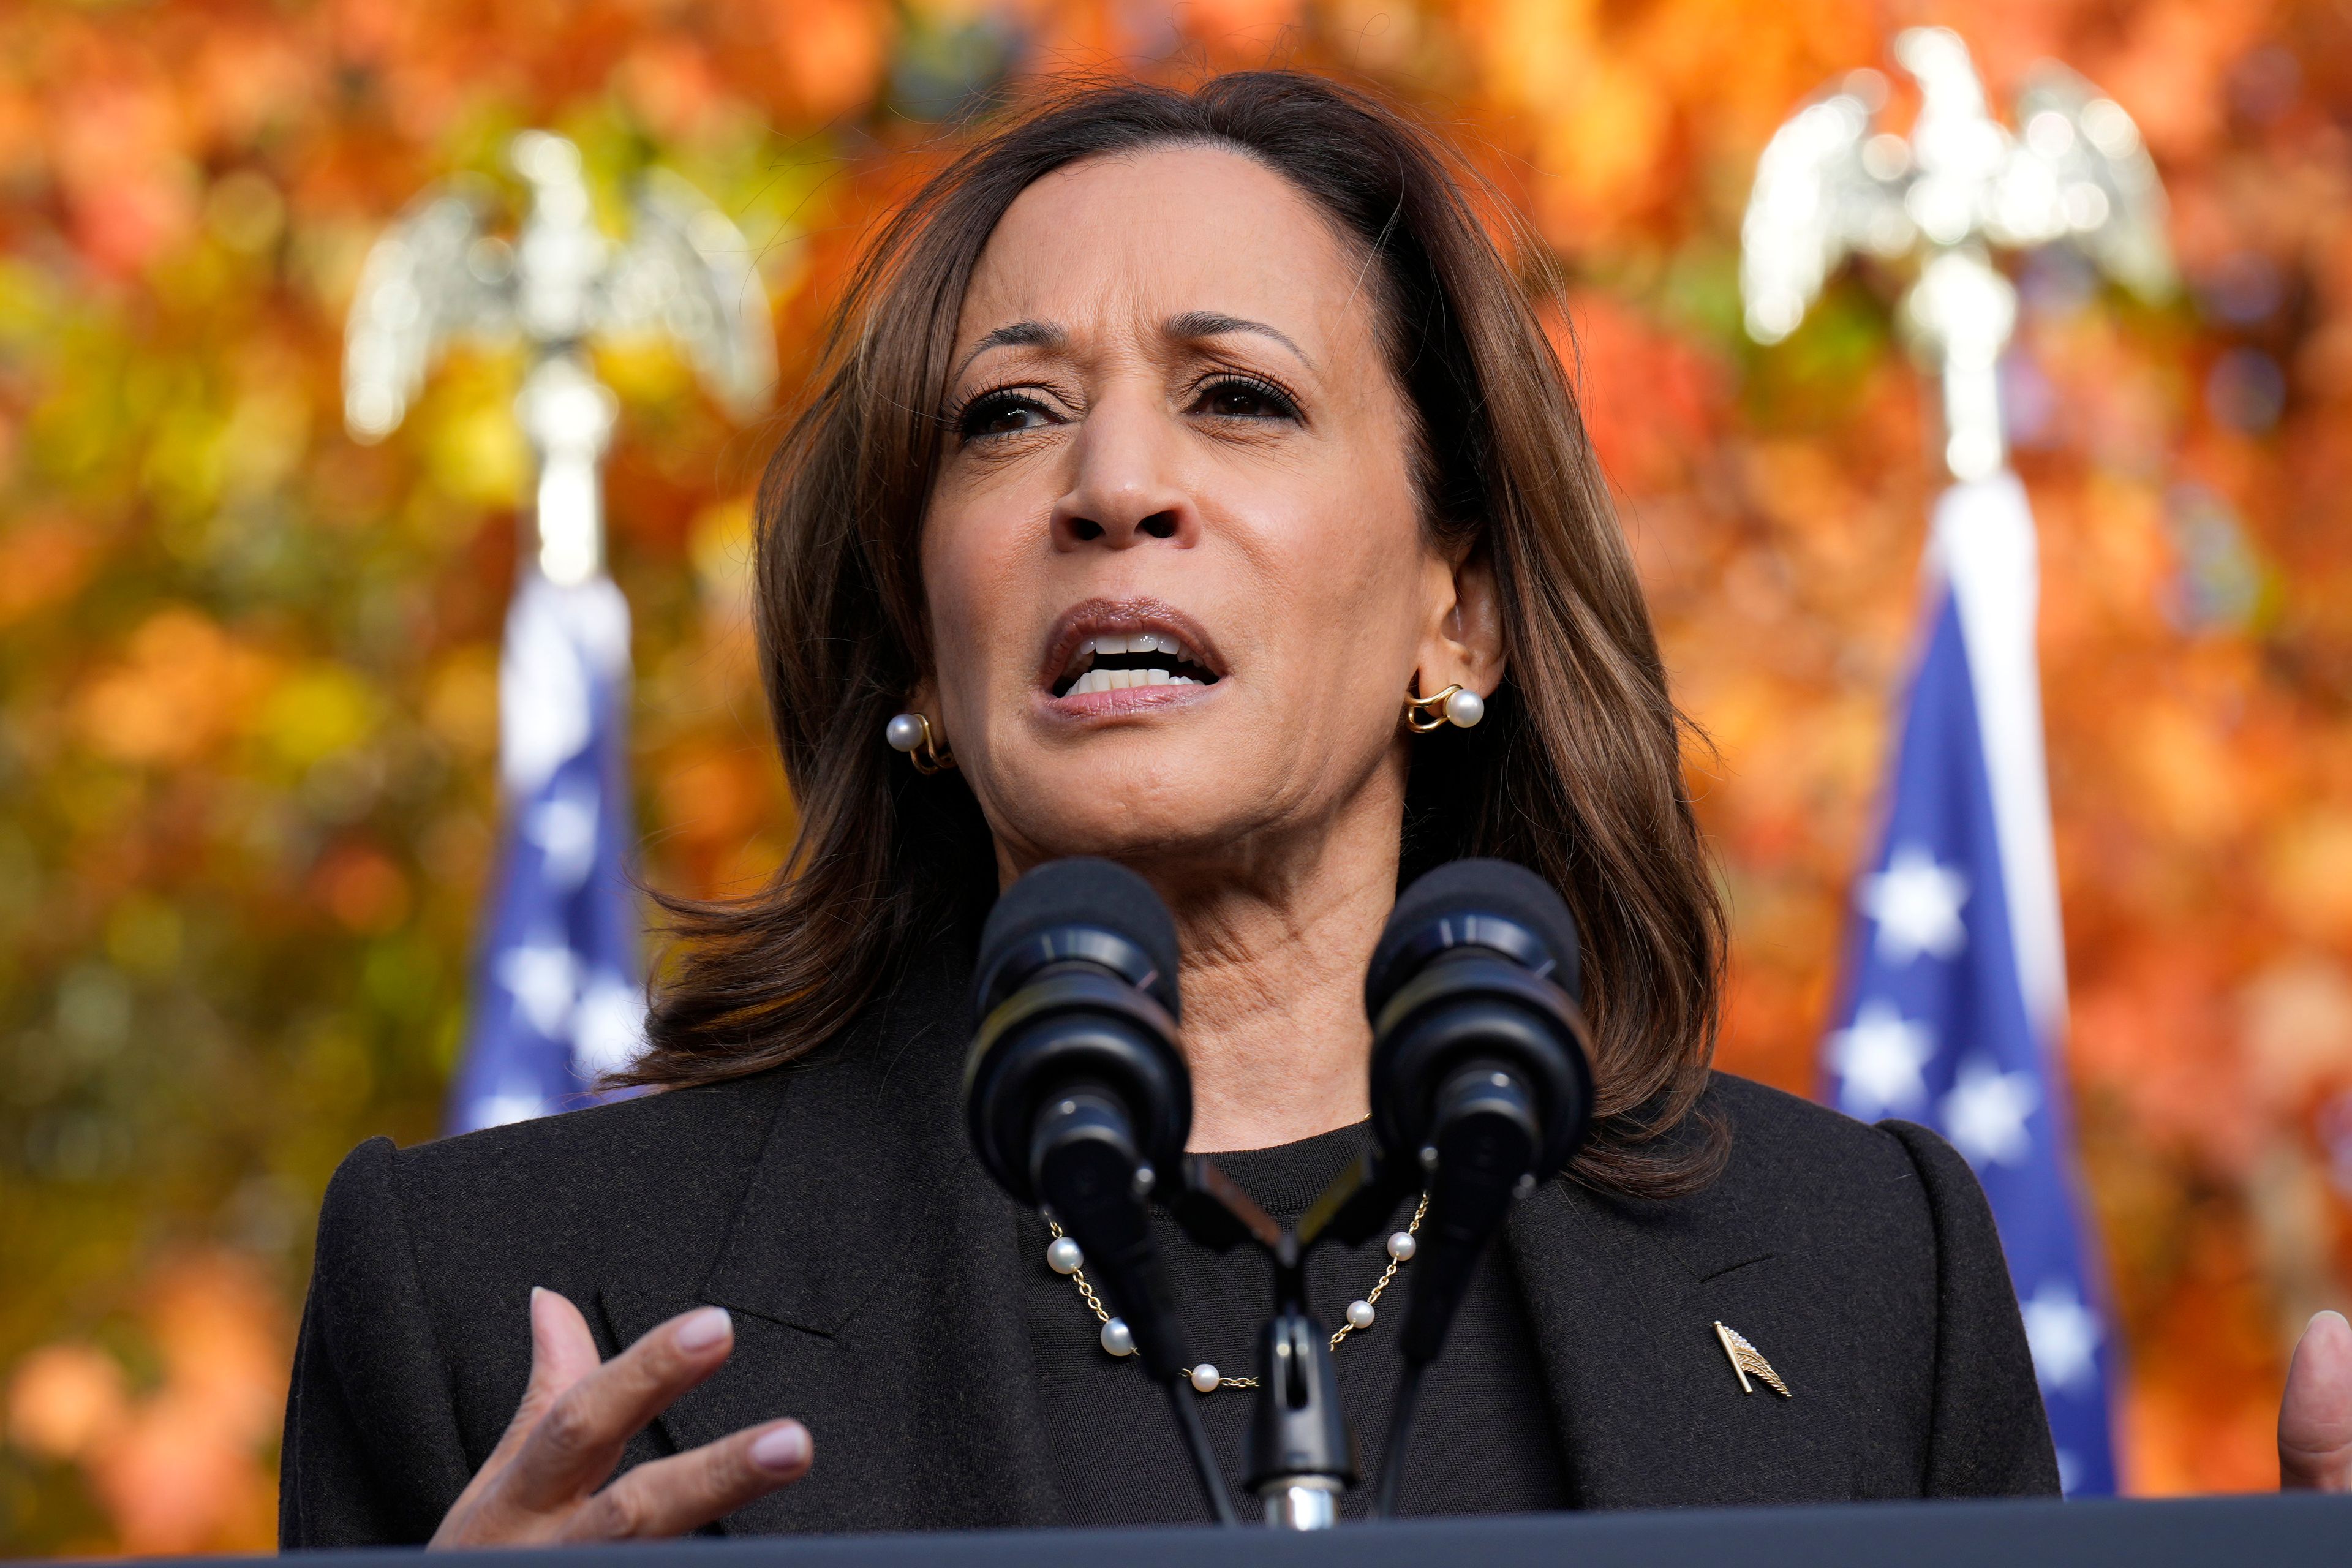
925	699
1463	643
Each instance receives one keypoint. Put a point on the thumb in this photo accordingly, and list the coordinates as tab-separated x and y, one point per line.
2315	1431
562	1351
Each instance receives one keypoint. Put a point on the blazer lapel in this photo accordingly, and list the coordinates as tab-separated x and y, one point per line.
1623	1297
872	1272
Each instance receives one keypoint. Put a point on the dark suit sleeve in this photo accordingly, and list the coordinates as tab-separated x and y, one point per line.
372	1455
1989	1436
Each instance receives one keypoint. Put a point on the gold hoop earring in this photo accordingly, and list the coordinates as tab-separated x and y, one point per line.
911	733
1457	705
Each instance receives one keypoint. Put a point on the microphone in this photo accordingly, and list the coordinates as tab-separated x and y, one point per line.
1480	1080
1077	1099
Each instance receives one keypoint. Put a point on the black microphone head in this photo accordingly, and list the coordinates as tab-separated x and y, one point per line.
1083	908
1478	965
1440	912
1076	990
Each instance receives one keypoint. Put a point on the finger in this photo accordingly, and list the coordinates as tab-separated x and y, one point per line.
2316	1413
563	1352
672	1496
576	1444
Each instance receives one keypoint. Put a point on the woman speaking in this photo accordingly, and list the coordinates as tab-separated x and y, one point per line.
1190	484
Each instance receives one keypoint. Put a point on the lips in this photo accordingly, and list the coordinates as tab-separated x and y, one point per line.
1103	650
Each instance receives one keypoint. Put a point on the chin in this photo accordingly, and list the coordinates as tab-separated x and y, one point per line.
1182	811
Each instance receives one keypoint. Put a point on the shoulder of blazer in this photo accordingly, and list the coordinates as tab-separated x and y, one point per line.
657	1159
1816	1243
1801	1177
656	1179
1813	1175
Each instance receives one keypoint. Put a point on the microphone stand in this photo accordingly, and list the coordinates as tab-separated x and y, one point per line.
1302	1456
1094	1181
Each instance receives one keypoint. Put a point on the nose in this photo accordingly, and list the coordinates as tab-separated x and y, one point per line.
1124	489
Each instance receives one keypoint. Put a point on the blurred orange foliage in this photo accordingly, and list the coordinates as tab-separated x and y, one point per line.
247	693
175	1464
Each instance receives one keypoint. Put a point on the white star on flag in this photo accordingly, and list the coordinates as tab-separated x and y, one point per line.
608	1030
542	977
1984	1116
1915	905
563	825
1879	1061
507	1106
2064	1336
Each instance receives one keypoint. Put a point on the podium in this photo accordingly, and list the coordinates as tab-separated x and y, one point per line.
2276	1532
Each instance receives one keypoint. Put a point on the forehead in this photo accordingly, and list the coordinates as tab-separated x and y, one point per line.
1162	231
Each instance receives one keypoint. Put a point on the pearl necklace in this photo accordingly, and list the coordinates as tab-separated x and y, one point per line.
1062	1256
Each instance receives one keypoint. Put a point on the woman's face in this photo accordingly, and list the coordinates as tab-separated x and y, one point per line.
1176	574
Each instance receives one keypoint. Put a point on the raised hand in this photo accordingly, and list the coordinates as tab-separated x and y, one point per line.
545	1481
2316	1414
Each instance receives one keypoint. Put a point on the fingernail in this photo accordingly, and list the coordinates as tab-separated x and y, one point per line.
704	1329
784	1448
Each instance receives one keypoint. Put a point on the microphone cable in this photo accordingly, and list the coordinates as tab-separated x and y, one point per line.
1186	1406
1479	1075
1077	1099
1400	1438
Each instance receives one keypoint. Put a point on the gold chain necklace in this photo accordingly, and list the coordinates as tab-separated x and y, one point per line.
1062	1256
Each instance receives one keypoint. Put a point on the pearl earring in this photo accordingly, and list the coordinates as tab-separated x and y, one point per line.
911	733
1457	705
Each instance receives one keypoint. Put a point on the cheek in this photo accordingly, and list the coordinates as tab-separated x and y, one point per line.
973	580
1350	575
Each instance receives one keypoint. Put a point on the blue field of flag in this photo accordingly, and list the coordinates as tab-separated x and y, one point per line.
557	998
1940	1023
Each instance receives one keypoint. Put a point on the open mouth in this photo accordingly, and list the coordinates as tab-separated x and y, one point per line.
1112	661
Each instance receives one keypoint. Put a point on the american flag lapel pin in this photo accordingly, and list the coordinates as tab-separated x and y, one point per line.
1746	1359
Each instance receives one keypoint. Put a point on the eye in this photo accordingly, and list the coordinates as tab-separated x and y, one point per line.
1245	397
1002	414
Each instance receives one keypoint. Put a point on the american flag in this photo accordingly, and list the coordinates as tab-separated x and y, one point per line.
557	999
1955	982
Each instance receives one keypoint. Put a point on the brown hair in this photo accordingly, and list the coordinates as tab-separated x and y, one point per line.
1575	772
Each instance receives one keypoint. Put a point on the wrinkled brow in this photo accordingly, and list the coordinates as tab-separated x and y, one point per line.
1193	325
1018	336
1190	326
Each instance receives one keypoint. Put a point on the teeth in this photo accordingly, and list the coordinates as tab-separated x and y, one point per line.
1092	679
1096	680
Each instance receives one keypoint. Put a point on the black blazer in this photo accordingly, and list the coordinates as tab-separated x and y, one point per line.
836	1209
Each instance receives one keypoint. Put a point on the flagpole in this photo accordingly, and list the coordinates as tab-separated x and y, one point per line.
557	1000
1955	1002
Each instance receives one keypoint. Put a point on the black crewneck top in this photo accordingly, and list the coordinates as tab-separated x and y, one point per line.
1485	1439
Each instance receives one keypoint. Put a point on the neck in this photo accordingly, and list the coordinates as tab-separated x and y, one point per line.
1275	1032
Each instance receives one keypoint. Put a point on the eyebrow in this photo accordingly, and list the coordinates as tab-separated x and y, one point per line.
1213	323
1018	336
1190	326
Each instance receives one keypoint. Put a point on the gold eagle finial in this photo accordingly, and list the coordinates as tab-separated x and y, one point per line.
1746	1358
